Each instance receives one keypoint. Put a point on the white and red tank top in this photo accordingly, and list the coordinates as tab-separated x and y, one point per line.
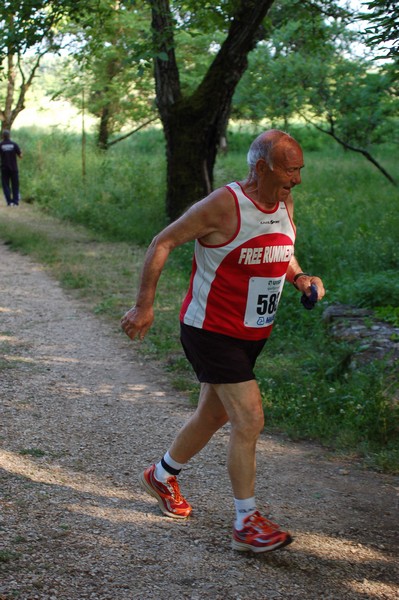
235	287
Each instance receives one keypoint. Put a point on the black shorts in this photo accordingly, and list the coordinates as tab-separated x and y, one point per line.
218	358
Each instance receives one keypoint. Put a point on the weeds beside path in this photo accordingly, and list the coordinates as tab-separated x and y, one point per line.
81	415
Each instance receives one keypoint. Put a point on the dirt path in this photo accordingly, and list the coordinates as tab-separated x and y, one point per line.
80	417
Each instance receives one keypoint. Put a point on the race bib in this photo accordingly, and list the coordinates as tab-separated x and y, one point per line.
262	301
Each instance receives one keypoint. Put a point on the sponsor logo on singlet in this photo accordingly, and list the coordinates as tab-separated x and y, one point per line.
262	321
265	254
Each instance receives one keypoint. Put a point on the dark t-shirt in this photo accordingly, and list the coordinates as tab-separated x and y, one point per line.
8	154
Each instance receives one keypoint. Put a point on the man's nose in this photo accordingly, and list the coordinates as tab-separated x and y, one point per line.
296	178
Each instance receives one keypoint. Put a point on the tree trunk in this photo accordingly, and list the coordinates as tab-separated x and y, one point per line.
194	125
103	130
192	138
7	117
109	109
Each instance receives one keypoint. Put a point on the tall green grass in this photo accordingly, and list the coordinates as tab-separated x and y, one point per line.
121	194
348	233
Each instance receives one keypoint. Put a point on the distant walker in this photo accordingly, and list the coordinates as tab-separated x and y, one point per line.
9	151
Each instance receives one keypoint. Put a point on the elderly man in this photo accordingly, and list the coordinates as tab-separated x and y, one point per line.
244	252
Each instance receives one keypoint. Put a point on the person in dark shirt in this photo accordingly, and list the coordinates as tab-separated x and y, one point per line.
9	151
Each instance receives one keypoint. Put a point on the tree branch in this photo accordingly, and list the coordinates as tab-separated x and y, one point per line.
126	135
26	82
362	151
232	59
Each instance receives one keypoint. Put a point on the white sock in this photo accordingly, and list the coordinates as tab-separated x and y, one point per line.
244	508
163	474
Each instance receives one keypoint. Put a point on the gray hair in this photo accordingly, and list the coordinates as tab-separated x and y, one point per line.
262	147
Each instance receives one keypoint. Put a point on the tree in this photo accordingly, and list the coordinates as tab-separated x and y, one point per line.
303	71
28	32
300	39
194	122
358	114
382	31
110	63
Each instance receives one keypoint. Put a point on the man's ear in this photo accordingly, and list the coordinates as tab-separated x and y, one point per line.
261	166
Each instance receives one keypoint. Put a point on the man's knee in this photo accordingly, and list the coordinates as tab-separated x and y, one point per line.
243	404
250	424
212	420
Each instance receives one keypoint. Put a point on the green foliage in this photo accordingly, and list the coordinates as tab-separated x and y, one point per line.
110	67
350	236
380	289
122	194
344	412
29	28
195	52
305	69
299	47
390	314
362	112
23	24
382	31
7	556
35	452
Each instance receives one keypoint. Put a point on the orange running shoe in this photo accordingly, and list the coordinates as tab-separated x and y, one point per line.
168	494
259	535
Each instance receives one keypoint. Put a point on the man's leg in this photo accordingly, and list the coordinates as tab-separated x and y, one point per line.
160	480
243	405
209	416
240	403
15	186
5	179
252	532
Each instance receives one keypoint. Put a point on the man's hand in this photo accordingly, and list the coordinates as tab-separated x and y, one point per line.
304	283
309	302
137	321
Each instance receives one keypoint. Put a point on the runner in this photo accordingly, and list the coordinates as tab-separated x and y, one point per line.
244	252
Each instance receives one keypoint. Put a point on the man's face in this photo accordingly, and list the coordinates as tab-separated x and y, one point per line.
286	172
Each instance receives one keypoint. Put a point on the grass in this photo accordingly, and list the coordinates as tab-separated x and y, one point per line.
7	556
347	232
114	198
35	452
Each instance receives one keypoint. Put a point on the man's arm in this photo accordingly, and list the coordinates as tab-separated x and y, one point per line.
202	220
140	317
